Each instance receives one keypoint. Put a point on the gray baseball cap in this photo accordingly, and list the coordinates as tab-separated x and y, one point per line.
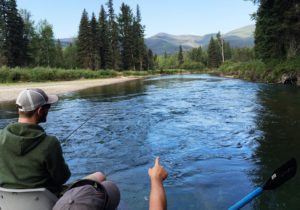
31	99
87	197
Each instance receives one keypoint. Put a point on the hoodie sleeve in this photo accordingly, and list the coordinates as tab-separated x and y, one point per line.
56	164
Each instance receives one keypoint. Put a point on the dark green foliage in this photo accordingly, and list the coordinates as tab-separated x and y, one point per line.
180	56
196	54
94	44
46	45
47	74
125	21
70	57
3	60
59	60
13	42
151	61
242	54
105	48
227	51
113	34
106	43
213	51
277	34
139	45
30	38
84	42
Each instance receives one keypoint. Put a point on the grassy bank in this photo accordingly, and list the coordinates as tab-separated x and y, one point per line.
256	70
39	74
8	75
271	72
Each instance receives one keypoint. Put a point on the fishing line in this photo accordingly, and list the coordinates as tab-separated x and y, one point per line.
65	139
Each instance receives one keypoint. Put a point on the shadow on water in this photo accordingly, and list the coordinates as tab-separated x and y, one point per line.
279	120
218	138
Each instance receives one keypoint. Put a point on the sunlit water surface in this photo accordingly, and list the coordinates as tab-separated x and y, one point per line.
218	138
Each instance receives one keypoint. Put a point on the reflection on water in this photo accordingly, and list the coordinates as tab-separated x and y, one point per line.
218	138
280	122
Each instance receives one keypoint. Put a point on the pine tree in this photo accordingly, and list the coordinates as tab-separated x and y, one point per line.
14	40
220	48
180	56
125	21
84	42
105	49
138	35
95	44
30	38
267	42
150	60
70	56
227	51
213	54
113	34
277	33
291	27
3	32
59	60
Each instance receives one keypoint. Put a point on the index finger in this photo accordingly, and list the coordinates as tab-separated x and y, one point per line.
157	161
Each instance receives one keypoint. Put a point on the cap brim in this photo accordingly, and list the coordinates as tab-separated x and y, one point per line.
52	99
113	194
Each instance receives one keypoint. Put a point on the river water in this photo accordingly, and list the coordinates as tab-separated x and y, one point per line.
218	138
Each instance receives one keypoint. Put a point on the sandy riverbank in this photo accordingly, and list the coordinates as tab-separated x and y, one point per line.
9	92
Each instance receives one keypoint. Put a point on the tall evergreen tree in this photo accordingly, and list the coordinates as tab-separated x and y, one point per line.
227	51
70	56
220	47
95	44
213	54
268	44
125	21
151	61
3	12
113	35
30	38
291	27
84	42
105	49
138	35
14	40
59	60
277	33
180	56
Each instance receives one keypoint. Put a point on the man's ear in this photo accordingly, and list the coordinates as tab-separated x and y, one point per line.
40	111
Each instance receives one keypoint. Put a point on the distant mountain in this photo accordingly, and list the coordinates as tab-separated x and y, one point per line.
162	42
66	41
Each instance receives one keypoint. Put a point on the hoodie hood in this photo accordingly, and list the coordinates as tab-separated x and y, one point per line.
21	138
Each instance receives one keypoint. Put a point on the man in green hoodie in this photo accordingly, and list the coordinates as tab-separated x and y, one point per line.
29	158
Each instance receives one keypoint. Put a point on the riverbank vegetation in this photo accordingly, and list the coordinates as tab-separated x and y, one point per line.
42	74
29	51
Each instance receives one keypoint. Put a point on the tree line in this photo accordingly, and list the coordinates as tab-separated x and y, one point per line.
113	42
212	56
108	42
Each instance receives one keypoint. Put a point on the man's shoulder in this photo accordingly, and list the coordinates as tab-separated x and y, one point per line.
51	140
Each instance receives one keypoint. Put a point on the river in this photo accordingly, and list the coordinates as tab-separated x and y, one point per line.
218	138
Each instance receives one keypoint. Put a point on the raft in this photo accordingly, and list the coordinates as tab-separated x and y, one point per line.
26	199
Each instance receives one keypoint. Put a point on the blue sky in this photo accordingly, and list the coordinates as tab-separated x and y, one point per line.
197	17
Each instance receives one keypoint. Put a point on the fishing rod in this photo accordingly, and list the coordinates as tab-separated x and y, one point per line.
279	176
65	139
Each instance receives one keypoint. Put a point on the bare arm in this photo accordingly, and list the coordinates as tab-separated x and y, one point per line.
157	174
